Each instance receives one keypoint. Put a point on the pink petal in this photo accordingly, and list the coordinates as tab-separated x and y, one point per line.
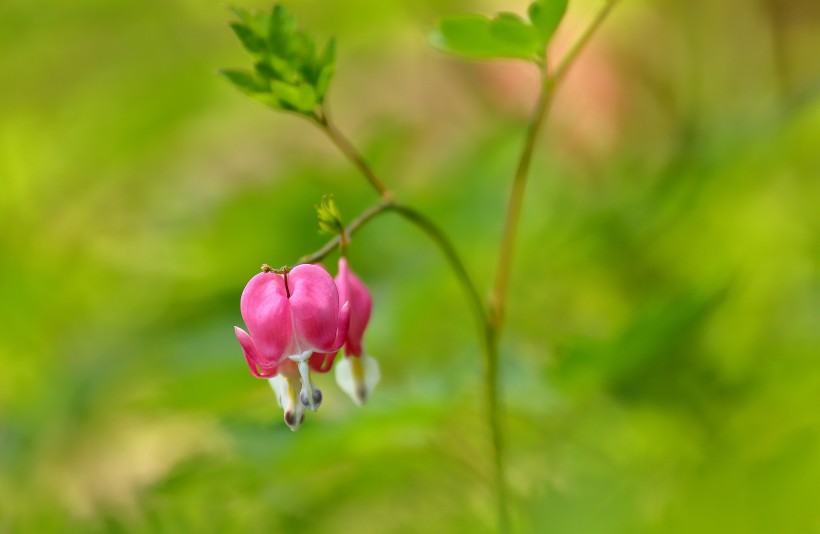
341	332
314	302
266	311
252	355
321	362
361	304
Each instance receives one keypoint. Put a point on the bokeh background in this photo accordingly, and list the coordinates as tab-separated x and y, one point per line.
661	366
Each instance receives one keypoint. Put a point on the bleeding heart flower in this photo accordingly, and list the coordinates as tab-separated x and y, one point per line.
295	322
357	374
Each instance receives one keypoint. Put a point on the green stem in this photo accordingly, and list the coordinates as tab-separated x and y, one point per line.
498	296
487	336
354	225
489	322
549	82
499	293
347	148
446	246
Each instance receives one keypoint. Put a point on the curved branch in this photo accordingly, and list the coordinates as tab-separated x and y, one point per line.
448	249
347	148
363	218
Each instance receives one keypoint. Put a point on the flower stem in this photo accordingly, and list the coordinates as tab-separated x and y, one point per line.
489	319
549	82
443	242
487	335
347	148
363	218
498	296
499	293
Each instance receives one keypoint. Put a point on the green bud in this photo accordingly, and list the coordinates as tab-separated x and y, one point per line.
330	220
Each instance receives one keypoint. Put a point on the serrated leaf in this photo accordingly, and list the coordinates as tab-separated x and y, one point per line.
300	98
323	83
256	22
326	68
328	56
283	70
242	14
245	81
281	29
546	15
264	71
303	55
268	99
477	36
250	40
295	75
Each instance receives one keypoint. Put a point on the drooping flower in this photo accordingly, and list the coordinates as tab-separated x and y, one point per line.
295	322
357	374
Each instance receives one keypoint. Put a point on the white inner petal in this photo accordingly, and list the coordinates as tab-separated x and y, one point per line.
285	390
307	385
358	376
372	373
302	356
279	386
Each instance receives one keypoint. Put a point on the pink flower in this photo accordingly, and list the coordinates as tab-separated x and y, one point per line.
357	374
295	321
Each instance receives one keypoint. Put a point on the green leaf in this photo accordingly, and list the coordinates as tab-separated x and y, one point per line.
323	84
546	15
289	72
250	40
477	36
283	70
243	15
328	56
245	81
327	68
265	72
510	28
256	22
269	100
281	30
301	98
303	54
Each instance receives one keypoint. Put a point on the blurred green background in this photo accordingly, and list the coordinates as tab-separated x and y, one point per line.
661	366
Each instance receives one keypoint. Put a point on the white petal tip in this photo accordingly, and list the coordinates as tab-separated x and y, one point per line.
279	387
357	376
286	398
294	419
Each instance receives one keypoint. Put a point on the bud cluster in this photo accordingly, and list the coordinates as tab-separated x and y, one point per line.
289	73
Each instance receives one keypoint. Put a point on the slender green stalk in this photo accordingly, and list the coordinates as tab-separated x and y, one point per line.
430	229
502	277
449	251
351	153
488	345
489	320
498	296
354	225
549	82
